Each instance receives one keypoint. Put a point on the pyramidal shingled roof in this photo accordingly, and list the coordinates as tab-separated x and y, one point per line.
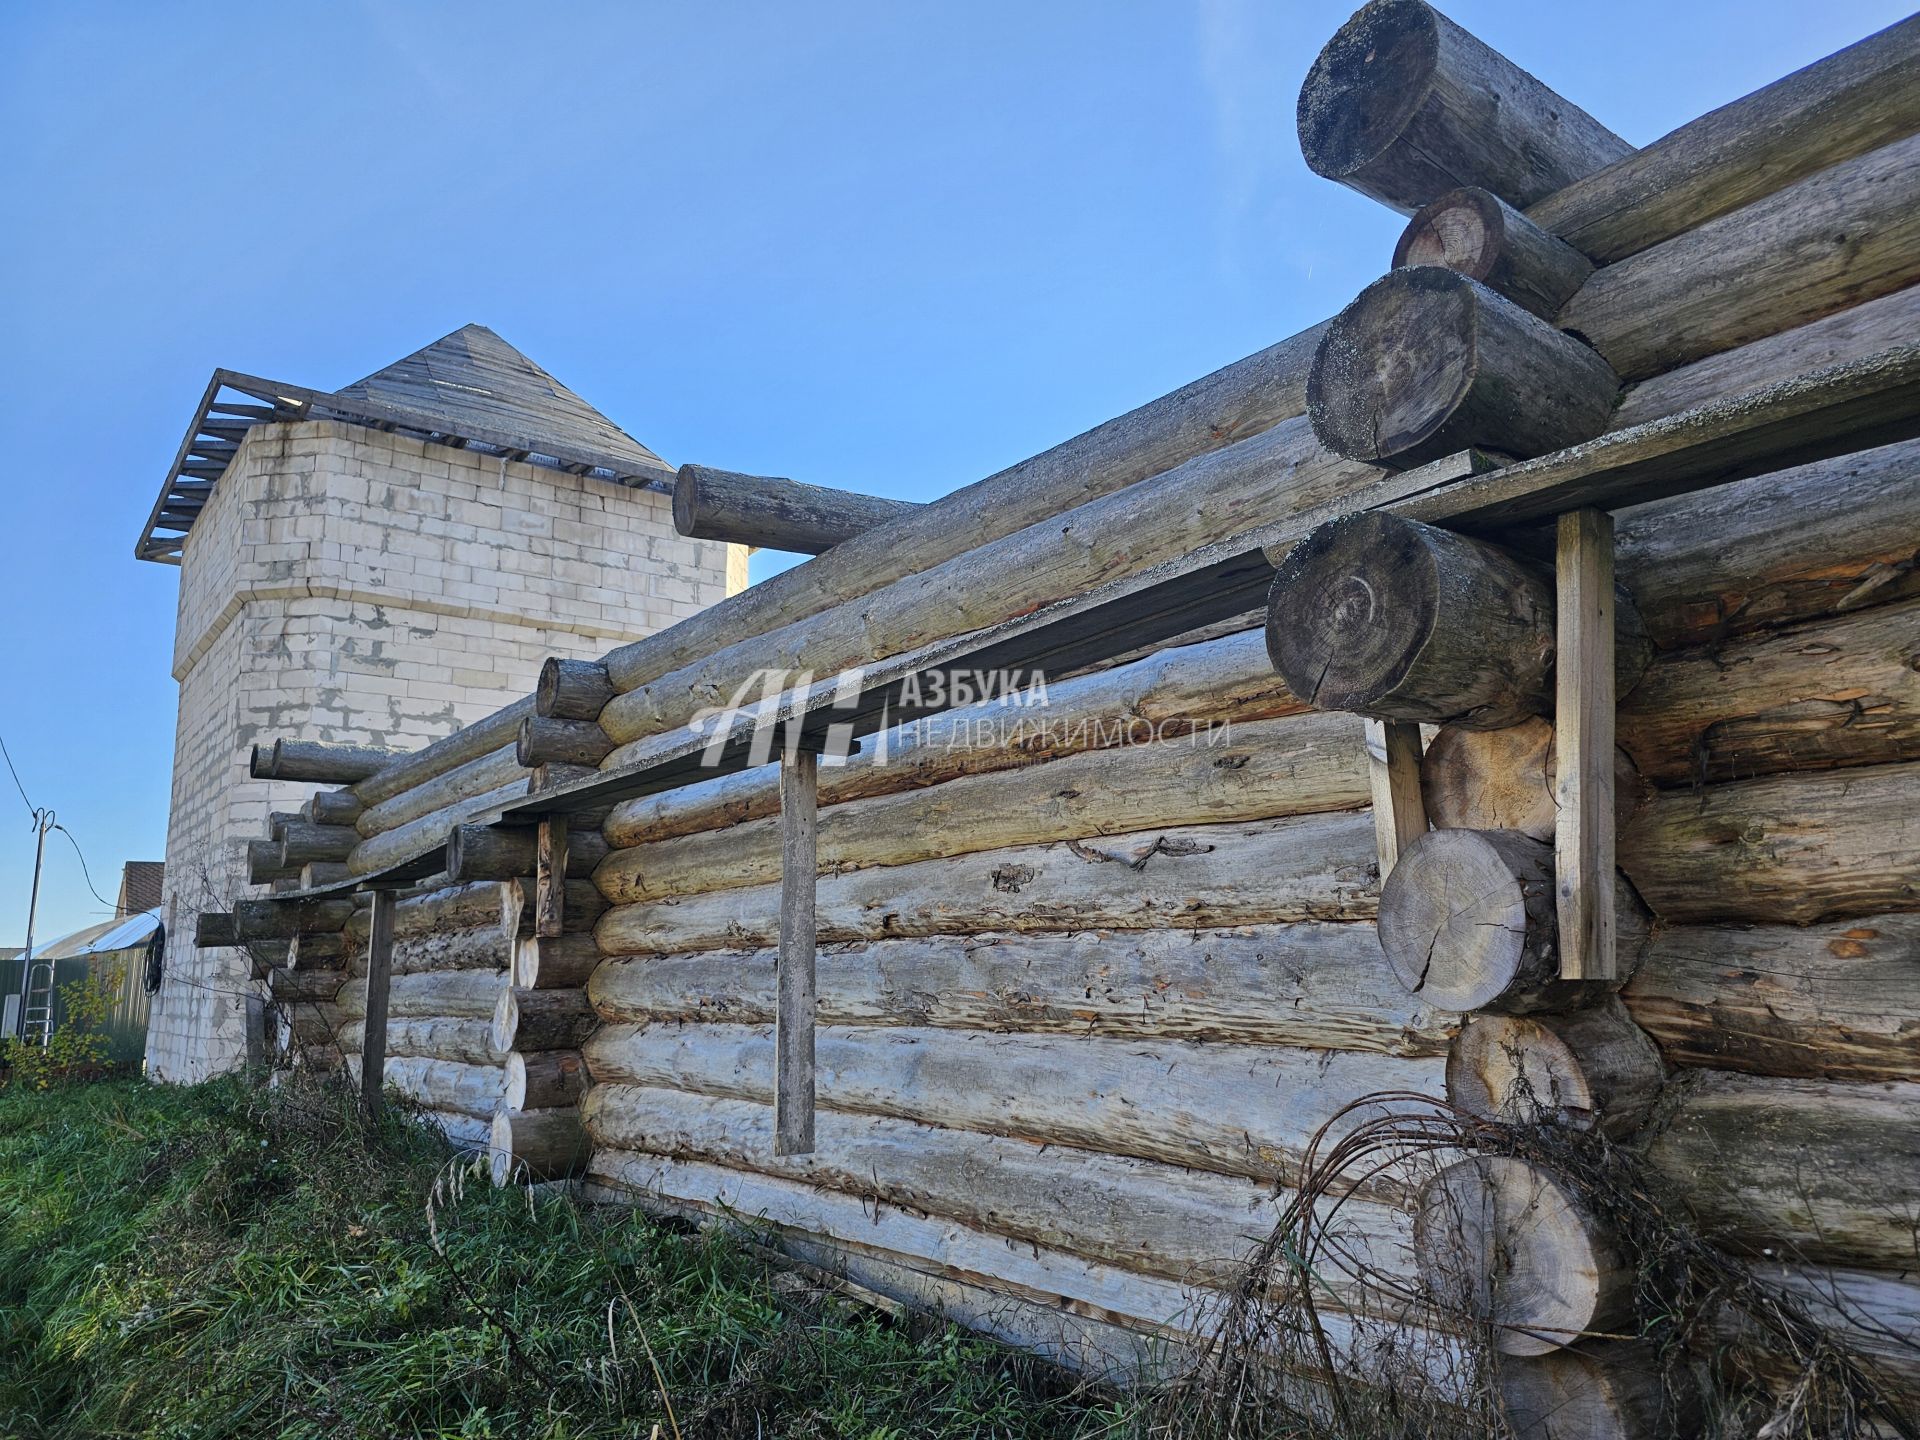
470	389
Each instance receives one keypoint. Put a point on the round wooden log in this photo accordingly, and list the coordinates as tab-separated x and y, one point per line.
543	741
489	852
317	952
1478	234
213	930
571	689
277	822
774	512
484	774
1402	621
320	762
1503	780
470	1041
584	907
1587	1069
447	994
1403	105
543	1079
452	1086
1467	921
304	1025
289	986
419	836
264	864
537	1145
1501	1242
283	919
323	872
1426	362
304	843
554	962
541	1020
332	807
1598	1390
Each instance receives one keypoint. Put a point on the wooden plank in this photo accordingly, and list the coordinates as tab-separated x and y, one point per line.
550	877
1583	845
373	1044
793	1024
1393	771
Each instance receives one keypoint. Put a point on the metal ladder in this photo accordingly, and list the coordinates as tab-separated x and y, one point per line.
36	1020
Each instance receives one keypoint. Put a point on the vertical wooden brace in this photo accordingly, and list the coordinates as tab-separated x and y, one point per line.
373	1045
1583	842
550	878
1393	769
793	1096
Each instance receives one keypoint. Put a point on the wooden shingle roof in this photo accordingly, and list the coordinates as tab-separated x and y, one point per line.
470	389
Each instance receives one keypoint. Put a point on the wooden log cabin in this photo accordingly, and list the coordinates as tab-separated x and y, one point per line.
1504	697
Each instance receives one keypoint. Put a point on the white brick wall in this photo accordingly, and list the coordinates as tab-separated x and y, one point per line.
345	584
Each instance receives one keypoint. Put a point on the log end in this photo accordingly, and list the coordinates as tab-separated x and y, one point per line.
1366	85
506	1021
1464	230
1599	1390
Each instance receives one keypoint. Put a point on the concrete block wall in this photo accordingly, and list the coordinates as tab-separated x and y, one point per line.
346	584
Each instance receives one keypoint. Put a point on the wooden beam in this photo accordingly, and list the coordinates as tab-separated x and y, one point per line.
373	1043
1393	770
1583	754
550	877
793	1023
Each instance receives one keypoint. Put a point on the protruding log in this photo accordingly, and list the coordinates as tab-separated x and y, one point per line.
1503	780
317	952
571	689
264	864
283	919
323	872
537	1145
543	1079
1467	921
1478	234
213	930
1501	1242
774	512
302	843
1585	1069
332	807
318	761
1427	362
298	1028
452	1086
555	962
555	773
1598	1390
293	986
541	1020
542	741
277	822
433	1038
584	906
452	994
1403	105
1402	621
488	852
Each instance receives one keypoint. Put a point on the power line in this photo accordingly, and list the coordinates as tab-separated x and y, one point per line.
32	809
84	872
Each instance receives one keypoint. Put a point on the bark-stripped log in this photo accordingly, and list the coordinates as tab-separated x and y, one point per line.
332	807
320	762
1403	105
1239	1110
1138	1214
443	908
1310	985
544	741
1261	770
283	919
1847	234
467	1134
1502	1243
774	512
584	905
1587	1069
416	837
469	743
1503	780
571	689
289	986
1312	867
1467	922
1788	848
1814	1168
482	947
448	1086
1839	1001
1853	101
1402	621
264	864
466	1041
1209	498
541	1019
554	962
304	843
1427	362
536	1145
1598	1390
1843	691
478	776
318	952
213	930
490	852
316	873
543	1079
1162	697
1478	234
447	994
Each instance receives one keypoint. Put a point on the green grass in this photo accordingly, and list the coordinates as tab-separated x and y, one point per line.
230	1261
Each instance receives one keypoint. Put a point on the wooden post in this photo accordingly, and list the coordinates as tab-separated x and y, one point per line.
373	1043
1393	770
550	877
793	1027
1583	770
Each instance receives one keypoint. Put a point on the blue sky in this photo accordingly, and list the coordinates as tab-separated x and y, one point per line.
892	246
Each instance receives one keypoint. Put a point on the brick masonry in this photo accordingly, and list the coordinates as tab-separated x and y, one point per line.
346	584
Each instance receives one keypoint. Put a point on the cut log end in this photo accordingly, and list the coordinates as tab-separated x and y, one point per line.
1600	1390
571	689
1591	1069
535	1145
1503	780
1501	1242
1475	233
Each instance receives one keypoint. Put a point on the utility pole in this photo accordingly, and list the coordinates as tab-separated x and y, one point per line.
42	823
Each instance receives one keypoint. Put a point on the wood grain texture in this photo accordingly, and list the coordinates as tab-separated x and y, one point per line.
1589	1069
373	1038
1478	234
1393	776
793	1100
1584	760
774	512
